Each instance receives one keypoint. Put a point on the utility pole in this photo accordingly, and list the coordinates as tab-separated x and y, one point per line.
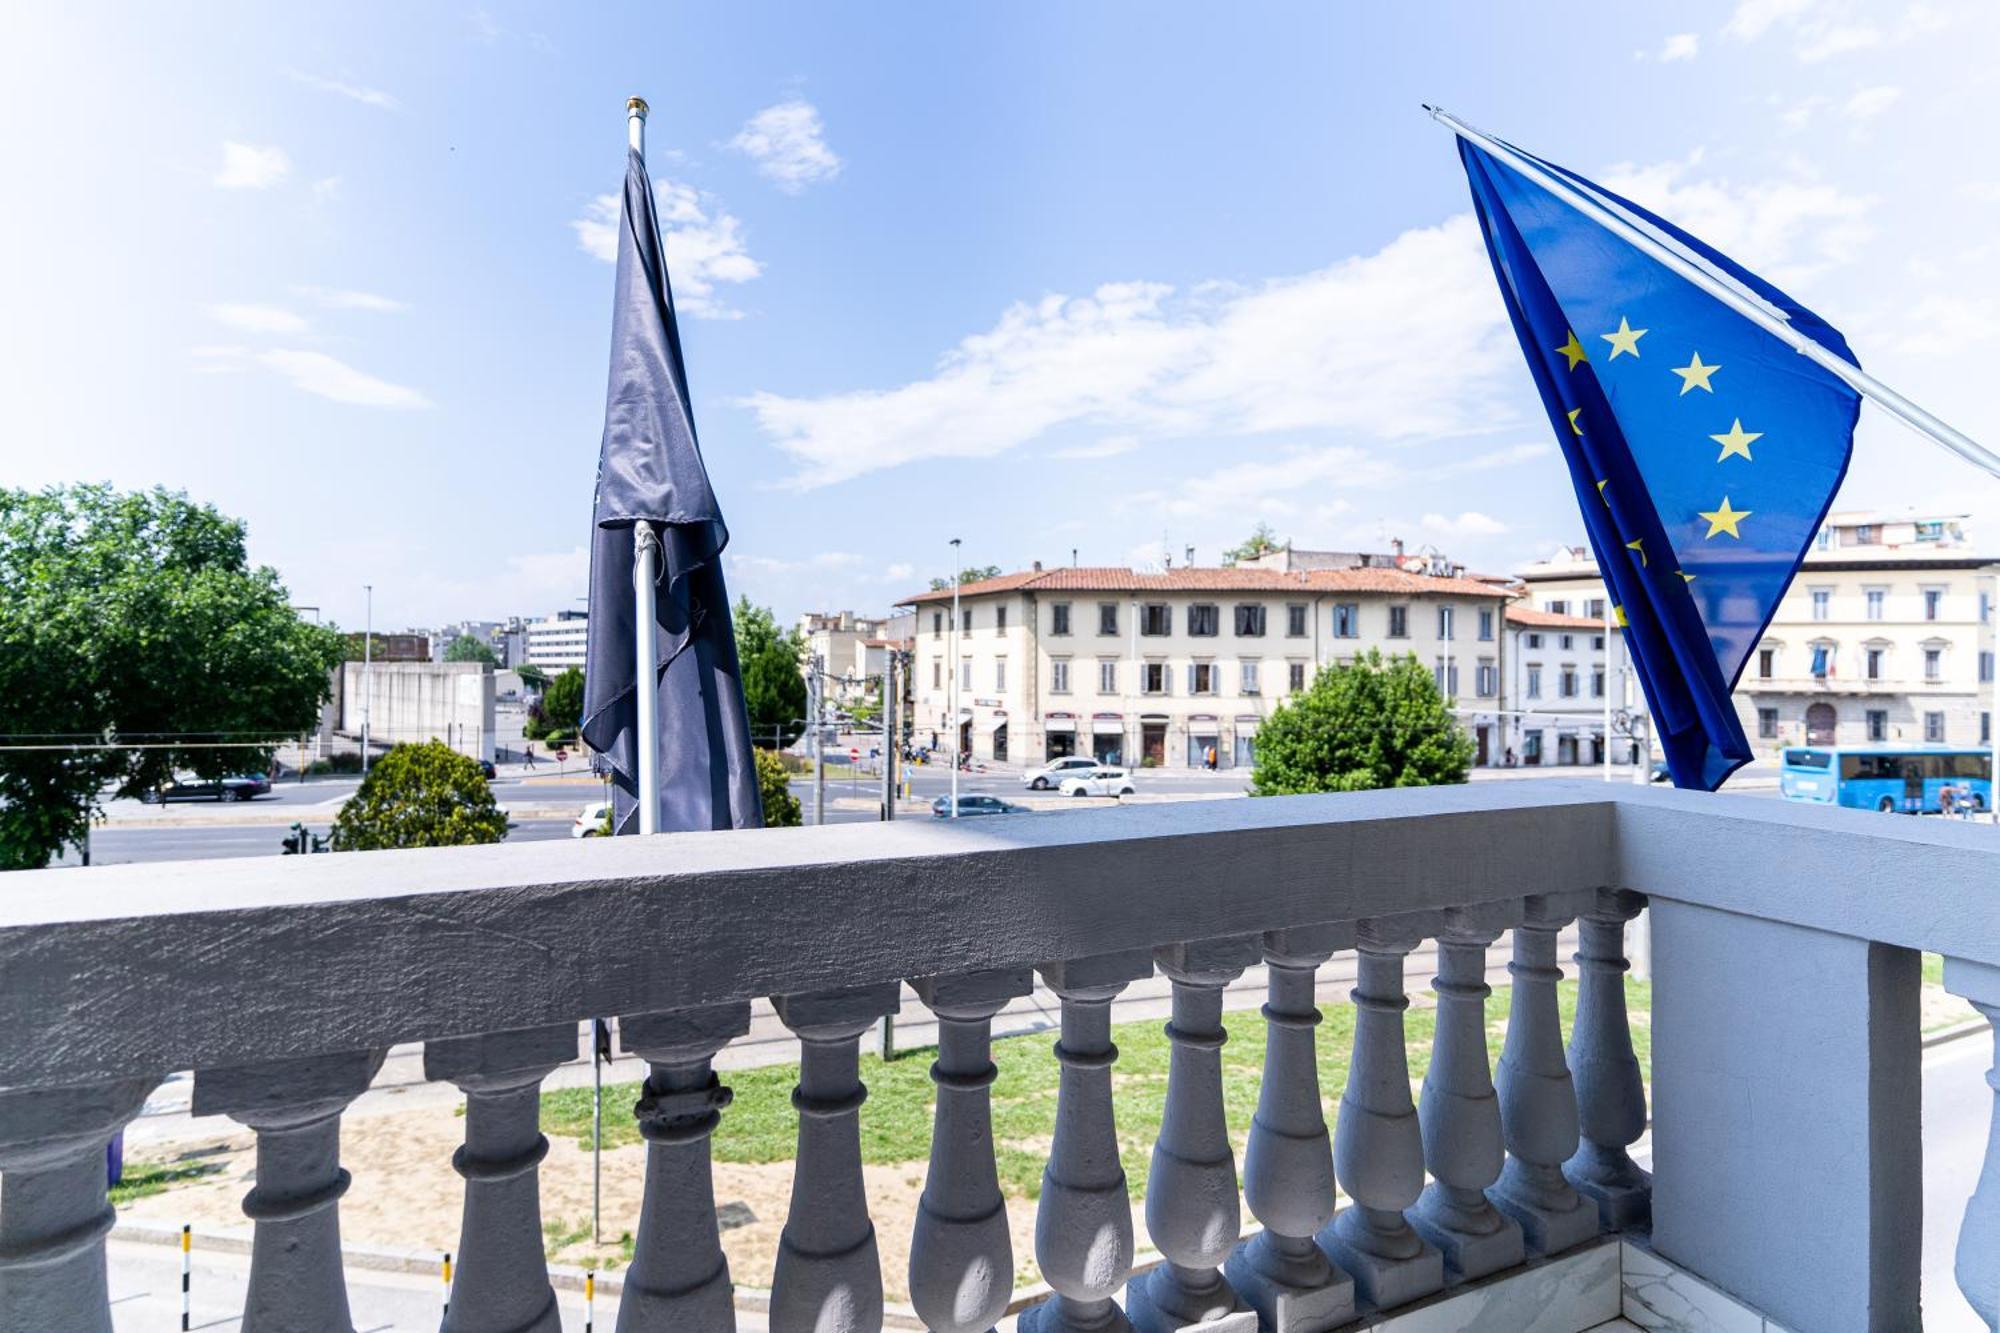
1609	627
888	735
815	704
367	671
956	730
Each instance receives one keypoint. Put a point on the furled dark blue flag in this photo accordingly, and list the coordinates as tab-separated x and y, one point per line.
1705	451
650	470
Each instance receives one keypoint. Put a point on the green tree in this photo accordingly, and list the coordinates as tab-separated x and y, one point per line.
970	574
137	617
532	676
1261	542
562	704
422	794
468	648
774	787
774	688
1372	723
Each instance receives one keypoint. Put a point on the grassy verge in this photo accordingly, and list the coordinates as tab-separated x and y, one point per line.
143	1179
760	1125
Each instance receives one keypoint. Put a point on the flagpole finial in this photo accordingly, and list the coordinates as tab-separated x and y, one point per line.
637	106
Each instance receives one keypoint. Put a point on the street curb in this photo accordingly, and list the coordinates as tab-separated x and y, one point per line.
1972	1027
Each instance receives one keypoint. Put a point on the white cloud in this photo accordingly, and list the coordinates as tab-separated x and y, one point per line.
1110	446
1752	18
258	318
788	144
704	244
248	167
326	189
1945	324
374	97
899	572
1823	29
1681	46
1786	229
315	373
1471	523
336	298
1839	39
1871	102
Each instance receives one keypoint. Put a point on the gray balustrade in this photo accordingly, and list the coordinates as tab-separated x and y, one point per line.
53	1214
1193	1213
1083	1228
296	1282
1538	1112
1978	1258
502	1276
1610	1091
828	1277
1460	1110
961	1253
1378	1145
1288	1161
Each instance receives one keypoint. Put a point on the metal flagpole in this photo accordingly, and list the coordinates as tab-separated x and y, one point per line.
1605	748
367	670
1744	302
957	732
645	586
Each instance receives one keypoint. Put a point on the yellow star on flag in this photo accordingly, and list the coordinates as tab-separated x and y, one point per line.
1694	375
1737	441
1685	576
1638	544
1724	519
1619	613
1575	429
1573	350
1625	340
1600	492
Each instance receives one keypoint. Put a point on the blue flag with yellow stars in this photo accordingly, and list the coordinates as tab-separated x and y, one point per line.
1705	452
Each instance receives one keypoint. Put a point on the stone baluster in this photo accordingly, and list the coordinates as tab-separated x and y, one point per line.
1083	1228
1288	1162
1378	1148
1610	1092
961	1253
1978	1263
679	1278
294	1105
1460	1111
1193	1213
829	1277
53	1214
502	1279
1538	1114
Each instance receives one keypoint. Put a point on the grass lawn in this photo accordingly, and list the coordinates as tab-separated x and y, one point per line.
760	1125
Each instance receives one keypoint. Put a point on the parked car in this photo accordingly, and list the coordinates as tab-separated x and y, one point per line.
592	822
242	787
975	805
486	769
1052	773
1103	782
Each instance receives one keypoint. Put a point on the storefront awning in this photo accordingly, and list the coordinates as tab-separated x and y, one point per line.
994	723
1059	724
1107	726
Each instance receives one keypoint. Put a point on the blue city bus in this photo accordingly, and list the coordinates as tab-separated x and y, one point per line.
1897	779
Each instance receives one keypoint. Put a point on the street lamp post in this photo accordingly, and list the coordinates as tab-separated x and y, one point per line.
957	732
367	671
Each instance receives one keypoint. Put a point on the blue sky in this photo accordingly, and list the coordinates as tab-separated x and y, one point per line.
1040	276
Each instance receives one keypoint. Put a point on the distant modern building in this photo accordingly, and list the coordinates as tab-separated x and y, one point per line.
556	643
1558	676
506	638
407	646
1886	634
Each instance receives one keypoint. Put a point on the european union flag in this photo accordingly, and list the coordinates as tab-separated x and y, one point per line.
1705	451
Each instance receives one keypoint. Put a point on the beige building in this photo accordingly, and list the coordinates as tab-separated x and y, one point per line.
1163	668
1886	634
852	649
1558	674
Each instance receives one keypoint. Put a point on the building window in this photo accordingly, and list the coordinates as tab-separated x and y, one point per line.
1559	607
1767	723
1486	624
1295	621
1201	678
1822	603
1864	534
1568	642
1930	532
1933	602
937	624
1346	620
1986	728
1000	620
1597	643
1250	678
1934	728
1534	640
1767	663
965	674
1876	596
1873	658
1566	686
1204	620
1594	608
1487	678
1059	618
1933	665
1059	676
1156	619
1986	666
1107	678
1822	661
1878	724
1295	676
1985	606
1249	621
1000	673
1825	539
1597	682
966	627
1534	682
1153	678
1107	618
937	674
1445	619
1399	622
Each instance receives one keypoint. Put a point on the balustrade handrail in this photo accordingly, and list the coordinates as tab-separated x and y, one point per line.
218	963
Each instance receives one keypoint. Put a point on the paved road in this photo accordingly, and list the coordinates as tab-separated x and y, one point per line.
1957	1108
131	843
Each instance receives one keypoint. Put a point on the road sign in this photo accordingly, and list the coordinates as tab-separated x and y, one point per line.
562	755
853	754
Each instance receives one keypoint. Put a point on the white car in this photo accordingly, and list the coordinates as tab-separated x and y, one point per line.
591	822
1052	773
1103	782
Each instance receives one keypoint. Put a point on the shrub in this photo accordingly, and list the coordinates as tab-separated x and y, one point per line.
781	808
420	795
1366	724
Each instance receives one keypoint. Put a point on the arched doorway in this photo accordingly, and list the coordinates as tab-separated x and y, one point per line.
1821	724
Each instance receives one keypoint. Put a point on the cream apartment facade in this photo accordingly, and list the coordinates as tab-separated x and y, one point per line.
1166	668
1885	635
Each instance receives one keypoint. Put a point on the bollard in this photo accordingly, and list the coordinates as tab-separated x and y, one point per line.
187	1260
445	1315
589	1300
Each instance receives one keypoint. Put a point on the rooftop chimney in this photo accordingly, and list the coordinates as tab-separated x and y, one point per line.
1190	557
1038	566
1396	545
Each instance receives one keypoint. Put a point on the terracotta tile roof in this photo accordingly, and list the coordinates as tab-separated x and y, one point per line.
1219	580
1533	619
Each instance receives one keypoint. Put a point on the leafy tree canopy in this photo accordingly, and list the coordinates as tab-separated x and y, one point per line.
137	617
774	689
1261	542
470	648
420	795
532	676
561	707
774	787
970	574
1372	723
